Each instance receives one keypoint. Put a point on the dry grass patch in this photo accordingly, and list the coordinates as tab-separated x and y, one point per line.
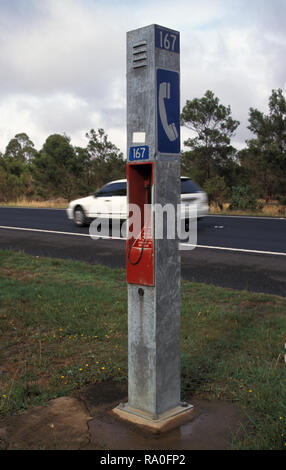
58	203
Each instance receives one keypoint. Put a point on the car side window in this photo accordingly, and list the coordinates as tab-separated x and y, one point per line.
189	186
113	189
104	191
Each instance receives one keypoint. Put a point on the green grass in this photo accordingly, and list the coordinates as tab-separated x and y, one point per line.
63	324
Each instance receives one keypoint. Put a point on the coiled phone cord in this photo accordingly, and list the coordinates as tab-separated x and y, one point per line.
134	263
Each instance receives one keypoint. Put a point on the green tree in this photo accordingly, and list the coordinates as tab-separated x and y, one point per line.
213	127
216	190
13	150
27	146
12	187
55	168
20	147
99	147
243	198
16	179
103	160
85	180
266	153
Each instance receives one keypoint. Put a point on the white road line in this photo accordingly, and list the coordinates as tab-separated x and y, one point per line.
121	238
236	249
247	217
44	231
35	208
57	232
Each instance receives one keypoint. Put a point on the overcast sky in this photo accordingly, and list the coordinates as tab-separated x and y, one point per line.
62	62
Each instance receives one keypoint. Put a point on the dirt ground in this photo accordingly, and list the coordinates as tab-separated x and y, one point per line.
84	421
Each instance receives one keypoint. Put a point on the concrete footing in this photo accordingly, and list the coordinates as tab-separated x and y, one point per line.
164	422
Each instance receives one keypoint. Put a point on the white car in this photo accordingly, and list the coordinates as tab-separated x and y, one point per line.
111	202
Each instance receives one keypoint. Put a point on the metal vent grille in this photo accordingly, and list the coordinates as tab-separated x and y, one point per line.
140	54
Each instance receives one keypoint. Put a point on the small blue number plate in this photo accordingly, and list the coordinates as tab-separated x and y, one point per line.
139	153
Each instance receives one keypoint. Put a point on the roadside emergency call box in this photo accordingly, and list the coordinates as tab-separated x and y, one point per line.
153	134
152	263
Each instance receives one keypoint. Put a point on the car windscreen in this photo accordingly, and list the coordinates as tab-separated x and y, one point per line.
113	189
189	186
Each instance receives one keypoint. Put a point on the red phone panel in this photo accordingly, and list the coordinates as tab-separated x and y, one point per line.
140	247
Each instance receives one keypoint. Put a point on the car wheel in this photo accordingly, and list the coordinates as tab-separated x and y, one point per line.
79	217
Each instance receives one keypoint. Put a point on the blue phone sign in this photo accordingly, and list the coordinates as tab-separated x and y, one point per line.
168	111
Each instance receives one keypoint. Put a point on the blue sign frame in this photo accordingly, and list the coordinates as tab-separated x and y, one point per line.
168	111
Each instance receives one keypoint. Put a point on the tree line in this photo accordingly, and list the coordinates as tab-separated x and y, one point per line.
226	174
242	177
59	169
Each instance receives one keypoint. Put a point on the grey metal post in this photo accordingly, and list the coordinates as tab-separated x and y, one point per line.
153	135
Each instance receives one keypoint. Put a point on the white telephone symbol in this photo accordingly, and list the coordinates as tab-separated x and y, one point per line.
170	129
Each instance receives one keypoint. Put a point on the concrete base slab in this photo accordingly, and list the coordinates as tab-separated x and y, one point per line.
164	422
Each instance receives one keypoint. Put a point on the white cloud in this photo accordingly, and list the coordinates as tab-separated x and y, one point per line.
63	50
229	63
15	117
59	113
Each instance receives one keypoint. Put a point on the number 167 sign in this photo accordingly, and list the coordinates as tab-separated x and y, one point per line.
167	39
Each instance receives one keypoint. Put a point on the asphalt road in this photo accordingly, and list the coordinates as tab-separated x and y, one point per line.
237	252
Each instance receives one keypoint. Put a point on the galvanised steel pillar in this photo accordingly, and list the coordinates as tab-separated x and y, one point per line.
153	265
